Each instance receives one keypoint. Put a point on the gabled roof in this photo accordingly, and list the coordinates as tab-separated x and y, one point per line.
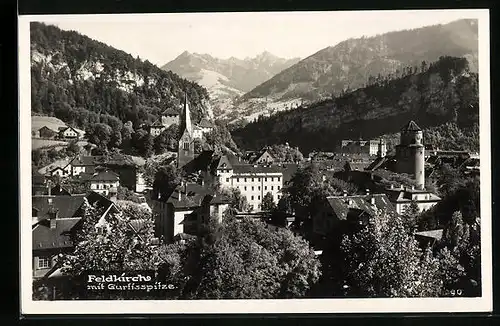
45	237
82	160
342	205
411	126
67	206
105	176
63	129
192	195
204	123
253	169
170	111
157	124
50	129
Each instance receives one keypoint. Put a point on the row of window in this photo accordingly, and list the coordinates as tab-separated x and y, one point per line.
104	186
258	187
43	263
258	179
258	197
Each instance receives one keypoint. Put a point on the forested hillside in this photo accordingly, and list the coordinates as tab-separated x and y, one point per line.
83	81
446	92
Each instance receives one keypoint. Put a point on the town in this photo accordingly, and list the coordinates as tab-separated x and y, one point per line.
351	173
389	182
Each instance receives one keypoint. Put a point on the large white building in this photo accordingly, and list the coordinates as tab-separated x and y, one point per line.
253	181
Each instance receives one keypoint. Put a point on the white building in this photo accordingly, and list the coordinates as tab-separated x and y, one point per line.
104	182
253	181
403	196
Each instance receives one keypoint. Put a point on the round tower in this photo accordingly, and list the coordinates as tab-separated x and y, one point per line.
410	153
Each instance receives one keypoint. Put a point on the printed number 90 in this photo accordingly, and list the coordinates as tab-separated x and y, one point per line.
456	292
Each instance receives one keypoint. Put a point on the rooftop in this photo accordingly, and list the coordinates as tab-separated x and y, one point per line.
45	237
341	205
411	126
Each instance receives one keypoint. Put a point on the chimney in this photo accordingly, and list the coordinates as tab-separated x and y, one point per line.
372	200
53	213
349	201
345	193
49	200
367	191
401	187
412	187
179	193
202	182
392	186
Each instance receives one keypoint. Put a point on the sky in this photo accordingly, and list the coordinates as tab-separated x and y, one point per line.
160	38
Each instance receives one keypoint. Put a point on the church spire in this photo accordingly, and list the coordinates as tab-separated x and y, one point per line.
186	117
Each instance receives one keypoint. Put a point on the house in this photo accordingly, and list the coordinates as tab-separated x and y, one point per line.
69	133
186	209
156	128
104	183
264	157
46	132
401	197
84	164
62	172
205	126
55	221
343	212
169	117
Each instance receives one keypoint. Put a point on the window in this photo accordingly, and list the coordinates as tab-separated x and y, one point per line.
272	179
258	187
279	179
265	187
258	197
272	188
245	180
253	187
251	198
279	197
279	187
227	179
237	179
265	179
258	179
245	187
43	263
186	146
252	179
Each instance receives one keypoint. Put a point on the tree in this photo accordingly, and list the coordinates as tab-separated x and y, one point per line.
460	254
99	134
111	244
198	146
410	215
268	203
166	179
244	259
382	260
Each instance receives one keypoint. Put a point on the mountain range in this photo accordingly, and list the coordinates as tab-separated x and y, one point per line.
226	79
353	63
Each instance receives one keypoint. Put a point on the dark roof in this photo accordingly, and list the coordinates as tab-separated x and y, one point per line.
204	123
67	206
105	176
170	111
341	205
157	124
192	195
63	129
252	169
411	126
59	190
376	164
222	162
45	237
217	199
82	160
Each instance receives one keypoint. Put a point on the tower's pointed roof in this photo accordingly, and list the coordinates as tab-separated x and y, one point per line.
186	117
411	126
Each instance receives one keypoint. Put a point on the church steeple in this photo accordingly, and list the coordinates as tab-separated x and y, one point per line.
185	152
186	117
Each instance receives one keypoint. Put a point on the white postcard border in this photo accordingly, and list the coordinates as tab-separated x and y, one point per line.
291	306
